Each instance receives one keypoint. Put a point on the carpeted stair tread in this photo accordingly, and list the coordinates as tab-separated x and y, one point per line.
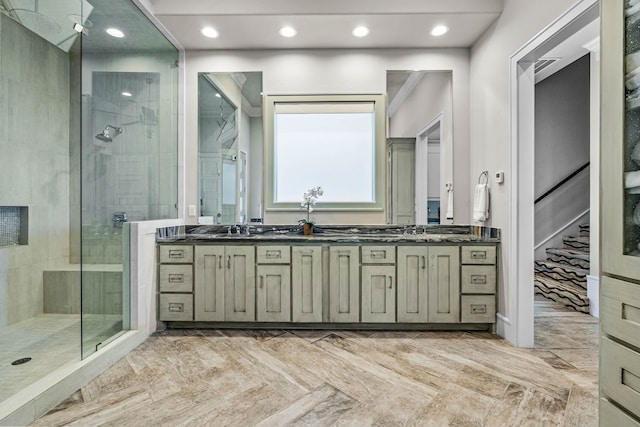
584	230
544	265
574	242
571	257
563	293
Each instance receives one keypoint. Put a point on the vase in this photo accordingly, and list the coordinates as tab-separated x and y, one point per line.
307	229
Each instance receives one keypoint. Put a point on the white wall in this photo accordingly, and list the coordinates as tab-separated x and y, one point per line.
331	72
562	141
520	21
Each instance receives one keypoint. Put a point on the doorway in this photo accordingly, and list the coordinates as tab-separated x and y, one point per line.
428	171
520	329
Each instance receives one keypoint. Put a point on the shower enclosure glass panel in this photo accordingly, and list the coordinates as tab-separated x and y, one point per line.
129	156
39	281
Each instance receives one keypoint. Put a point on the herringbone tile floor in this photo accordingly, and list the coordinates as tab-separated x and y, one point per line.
275	378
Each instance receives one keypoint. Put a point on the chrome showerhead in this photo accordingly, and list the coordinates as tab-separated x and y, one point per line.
109	133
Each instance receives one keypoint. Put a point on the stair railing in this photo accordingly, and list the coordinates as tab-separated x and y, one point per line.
562	182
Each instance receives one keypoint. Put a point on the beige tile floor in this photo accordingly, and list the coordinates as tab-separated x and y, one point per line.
289	377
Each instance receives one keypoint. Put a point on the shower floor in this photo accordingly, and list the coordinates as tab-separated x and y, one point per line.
50	340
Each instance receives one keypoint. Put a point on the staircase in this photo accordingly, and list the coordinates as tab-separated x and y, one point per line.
562	277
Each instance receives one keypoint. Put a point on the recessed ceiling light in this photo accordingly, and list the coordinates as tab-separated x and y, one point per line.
218	95
360	31
209	32
439	30
126	93
114	32
288	31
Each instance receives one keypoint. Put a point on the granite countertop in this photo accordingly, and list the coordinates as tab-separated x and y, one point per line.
329	234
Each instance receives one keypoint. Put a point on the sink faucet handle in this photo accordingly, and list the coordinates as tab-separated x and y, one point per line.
229	230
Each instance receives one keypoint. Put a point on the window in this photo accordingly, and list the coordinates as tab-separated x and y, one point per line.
336	142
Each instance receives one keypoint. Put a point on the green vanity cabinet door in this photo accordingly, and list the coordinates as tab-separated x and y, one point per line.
378	293
240	283
306	284
344	284
209	284
274	293
444	284
413	284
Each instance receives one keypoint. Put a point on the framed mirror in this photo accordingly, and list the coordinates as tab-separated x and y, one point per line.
229	108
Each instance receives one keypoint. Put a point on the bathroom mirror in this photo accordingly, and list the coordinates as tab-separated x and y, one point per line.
229	119
419	117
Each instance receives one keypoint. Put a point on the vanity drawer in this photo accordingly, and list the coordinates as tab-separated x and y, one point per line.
178	254
478	255
176	307
274	254
620	309
620	376
614	416
478	279
478	308
176	278
378	254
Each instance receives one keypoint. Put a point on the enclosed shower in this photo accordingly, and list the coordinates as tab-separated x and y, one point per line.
88	143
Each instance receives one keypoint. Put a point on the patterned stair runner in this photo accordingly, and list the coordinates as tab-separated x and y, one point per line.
562	277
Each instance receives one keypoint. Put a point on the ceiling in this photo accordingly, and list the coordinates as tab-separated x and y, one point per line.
321	24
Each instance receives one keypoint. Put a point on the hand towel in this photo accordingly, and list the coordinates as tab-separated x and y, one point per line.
449	204
481	203
632	179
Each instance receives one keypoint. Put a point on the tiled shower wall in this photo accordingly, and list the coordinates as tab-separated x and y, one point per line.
34	164
137	172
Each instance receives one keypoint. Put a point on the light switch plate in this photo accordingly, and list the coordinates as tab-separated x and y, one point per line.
192	210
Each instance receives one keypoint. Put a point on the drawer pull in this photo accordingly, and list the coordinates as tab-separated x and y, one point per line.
478	279
176	253
176	307
390	282
228	262
261	282
273	254
424	262
478	254
478	309
306	252
379	254
630	313
176	278
631	380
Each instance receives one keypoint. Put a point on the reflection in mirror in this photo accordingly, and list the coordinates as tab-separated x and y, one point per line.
419	108
227	103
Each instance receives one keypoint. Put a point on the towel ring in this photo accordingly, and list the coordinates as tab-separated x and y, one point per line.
486	177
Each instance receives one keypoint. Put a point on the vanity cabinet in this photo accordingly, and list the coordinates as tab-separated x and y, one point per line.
478	287
344	284
378	284
328	283
620	215
225	283
444	284
413	293
306	284
401	177
175	283
274	284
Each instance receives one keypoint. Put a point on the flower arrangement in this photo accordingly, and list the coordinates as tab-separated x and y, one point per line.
308	201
